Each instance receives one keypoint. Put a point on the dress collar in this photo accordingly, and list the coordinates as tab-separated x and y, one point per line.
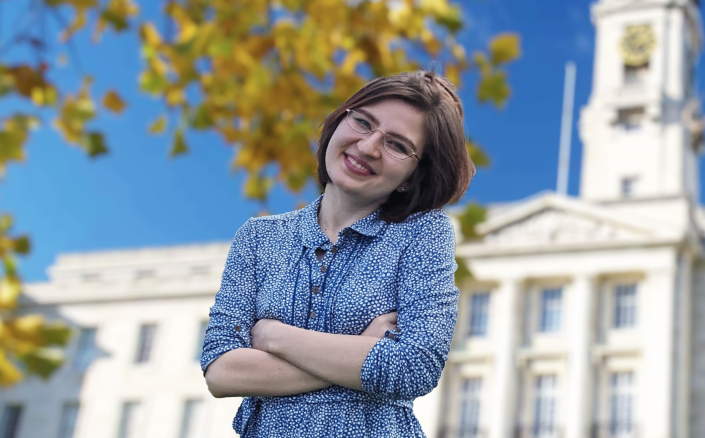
313	237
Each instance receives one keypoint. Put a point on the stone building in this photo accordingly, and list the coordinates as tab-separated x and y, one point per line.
585	317
138	318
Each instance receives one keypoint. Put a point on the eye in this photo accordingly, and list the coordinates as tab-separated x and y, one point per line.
363	123
397	146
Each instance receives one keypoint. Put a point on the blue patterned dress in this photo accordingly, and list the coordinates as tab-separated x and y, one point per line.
375	267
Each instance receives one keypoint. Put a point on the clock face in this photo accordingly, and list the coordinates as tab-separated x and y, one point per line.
637	44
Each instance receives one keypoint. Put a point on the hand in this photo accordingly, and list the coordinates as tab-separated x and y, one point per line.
380	325
262	333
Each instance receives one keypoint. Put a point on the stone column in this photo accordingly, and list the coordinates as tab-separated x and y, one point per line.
581	297
506	334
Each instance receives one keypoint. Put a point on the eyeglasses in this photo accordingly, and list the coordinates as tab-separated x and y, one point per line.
395	147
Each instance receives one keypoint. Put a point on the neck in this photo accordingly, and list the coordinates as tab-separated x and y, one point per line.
339	210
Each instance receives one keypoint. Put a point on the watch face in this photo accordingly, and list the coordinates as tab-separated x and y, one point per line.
637	44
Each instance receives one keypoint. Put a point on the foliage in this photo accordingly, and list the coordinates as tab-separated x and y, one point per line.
26	339
472	215
262	74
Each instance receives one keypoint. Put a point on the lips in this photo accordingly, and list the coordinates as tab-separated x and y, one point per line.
357	165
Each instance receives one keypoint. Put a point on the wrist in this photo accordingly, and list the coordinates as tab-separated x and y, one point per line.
276	338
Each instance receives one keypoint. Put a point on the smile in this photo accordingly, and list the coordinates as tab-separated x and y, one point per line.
355	165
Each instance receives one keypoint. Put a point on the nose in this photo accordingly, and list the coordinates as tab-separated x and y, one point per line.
370	144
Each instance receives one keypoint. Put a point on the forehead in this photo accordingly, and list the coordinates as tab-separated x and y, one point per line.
398	117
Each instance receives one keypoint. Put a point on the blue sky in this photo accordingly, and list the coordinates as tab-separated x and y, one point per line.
137	196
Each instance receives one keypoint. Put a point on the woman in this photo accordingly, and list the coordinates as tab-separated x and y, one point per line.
332	319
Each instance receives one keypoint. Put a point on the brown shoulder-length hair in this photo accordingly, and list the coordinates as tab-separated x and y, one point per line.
445	169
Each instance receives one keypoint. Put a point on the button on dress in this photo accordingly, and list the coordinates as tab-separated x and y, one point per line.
374	268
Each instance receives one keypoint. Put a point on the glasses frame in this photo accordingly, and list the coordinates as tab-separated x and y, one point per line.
347	116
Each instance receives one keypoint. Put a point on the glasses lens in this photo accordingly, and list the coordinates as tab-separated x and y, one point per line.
359	122
396	148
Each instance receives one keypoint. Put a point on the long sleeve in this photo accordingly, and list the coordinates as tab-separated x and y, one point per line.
410	364
233	314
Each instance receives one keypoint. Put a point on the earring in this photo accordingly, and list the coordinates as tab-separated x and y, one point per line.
401	189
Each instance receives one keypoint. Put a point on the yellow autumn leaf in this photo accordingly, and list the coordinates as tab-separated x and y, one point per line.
257	187
9	291
42	96
9	373
150	35
174	96
113	102
158	126
493	88
505	48
27	328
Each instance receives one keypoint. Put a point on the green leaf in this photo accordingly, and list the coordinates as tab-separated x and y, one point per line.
462	273
13	137
178	147
10	148
202	118
185	48
56	333
22	245
94	144
117	21
477	155
42	362
153	82
474	214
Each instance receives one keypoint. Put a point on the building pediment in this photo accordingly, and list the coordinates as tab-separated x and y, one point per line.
550	219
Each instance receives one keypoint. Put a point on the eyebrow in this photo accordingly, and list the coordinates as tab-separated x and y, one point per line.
376	122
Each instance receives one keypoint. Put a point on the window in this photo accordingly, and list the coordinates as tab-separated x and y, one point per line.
630	119
129	419
470	401
621	405
200	338
479	311
551	303
145	343
192	419
634	76
85	348
142	274
628	187
625	306
545	407
10	421
200	270
67	424
91	276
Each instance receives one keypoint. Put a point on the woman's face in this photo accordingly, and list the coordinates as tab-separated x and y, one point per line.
359	165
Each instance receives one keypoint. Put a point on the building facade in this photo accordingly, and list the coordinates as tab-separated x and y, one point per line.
138	318
585	317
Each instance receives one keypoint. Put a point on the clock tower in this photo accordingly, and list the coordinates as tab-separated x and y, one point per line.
639	146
